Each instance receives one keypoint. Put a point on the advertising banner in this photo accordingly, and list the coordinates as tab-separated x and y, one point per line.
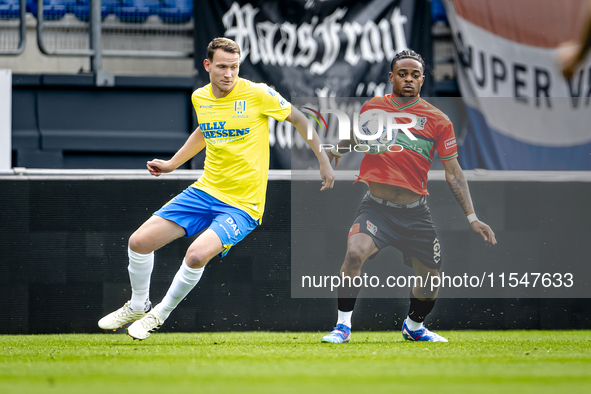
524	114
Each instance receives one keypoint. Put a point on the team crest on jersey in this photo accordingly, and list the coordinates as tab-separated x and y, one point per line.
420	123
372	228
240	106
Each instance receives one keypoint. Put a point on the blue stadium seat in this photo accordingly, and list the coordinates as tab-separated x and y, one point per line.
108	7
32	6
53	10
10	9
81	8
438	12
176	11
137	11
129	11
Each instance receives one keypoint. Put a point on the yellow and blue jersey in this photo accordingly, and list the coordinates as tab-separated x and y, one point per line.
236	132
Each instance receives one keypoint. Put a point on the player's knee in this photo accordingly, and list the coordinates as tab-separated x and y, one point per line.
428	274
354	258
196	259
138	244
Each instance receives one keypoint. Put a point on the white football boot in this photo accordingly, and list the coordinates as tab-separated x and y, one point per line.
123	316
142	328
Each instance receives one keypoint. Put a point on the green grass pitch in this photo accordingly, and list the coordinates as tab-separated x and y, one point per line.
263	362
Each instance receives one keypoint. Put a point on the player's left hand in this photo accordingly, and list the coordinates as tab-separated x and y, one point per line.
331	157
327	175
484	231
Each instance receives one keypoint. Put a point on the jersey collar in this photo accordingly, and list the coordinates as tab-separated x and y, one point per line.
230	95
401	107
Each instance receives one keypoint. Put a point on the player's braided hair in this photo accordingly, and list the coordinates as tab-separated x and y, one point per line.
407	54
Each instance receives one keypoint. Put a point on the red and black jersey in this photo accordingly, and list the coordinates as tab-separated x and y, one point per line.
408	168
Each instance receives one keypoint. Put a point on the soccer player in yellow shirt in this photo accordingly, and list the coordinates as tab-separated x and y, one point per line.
227	201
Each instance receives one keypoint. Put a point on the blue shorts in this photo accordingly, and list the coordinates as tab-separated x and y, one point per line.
195	210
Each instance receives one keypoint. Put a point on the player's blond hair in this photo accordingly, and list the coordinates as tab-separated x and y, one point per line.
224	44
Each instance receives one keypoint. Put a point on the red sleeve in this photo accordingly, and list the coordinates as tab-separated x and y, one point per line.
367	105
447	147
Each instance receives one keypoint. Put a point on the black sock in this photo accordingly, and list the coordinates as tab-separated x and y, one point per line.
419	310
347	297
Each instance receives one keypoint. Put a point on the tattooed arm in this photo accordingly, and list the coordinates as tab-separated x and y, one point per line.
459	187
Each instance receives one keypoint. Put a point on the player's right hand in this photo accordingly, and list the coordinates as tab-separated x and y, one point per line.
484	231
157	167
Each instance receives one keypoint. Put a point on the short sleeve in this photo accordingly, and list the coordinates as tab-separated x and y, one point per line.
447	146
195	102
273	105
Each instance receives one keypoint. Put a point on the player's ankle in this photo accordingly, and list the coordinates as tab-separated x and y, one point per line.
345	318
413	325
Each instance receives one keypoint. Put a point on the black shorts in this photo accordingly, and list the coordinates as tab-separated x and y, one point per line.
410	230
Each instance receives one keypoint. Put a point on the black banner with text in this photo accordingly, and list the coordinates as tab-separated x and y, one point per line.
316	48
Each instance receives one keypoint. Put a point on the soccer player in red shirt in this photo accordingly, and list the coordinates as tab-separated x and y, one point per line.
394	210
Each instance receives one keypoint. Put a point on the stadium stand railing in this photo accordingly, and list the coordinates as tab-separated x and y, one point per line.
124	28
129	28
13	34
